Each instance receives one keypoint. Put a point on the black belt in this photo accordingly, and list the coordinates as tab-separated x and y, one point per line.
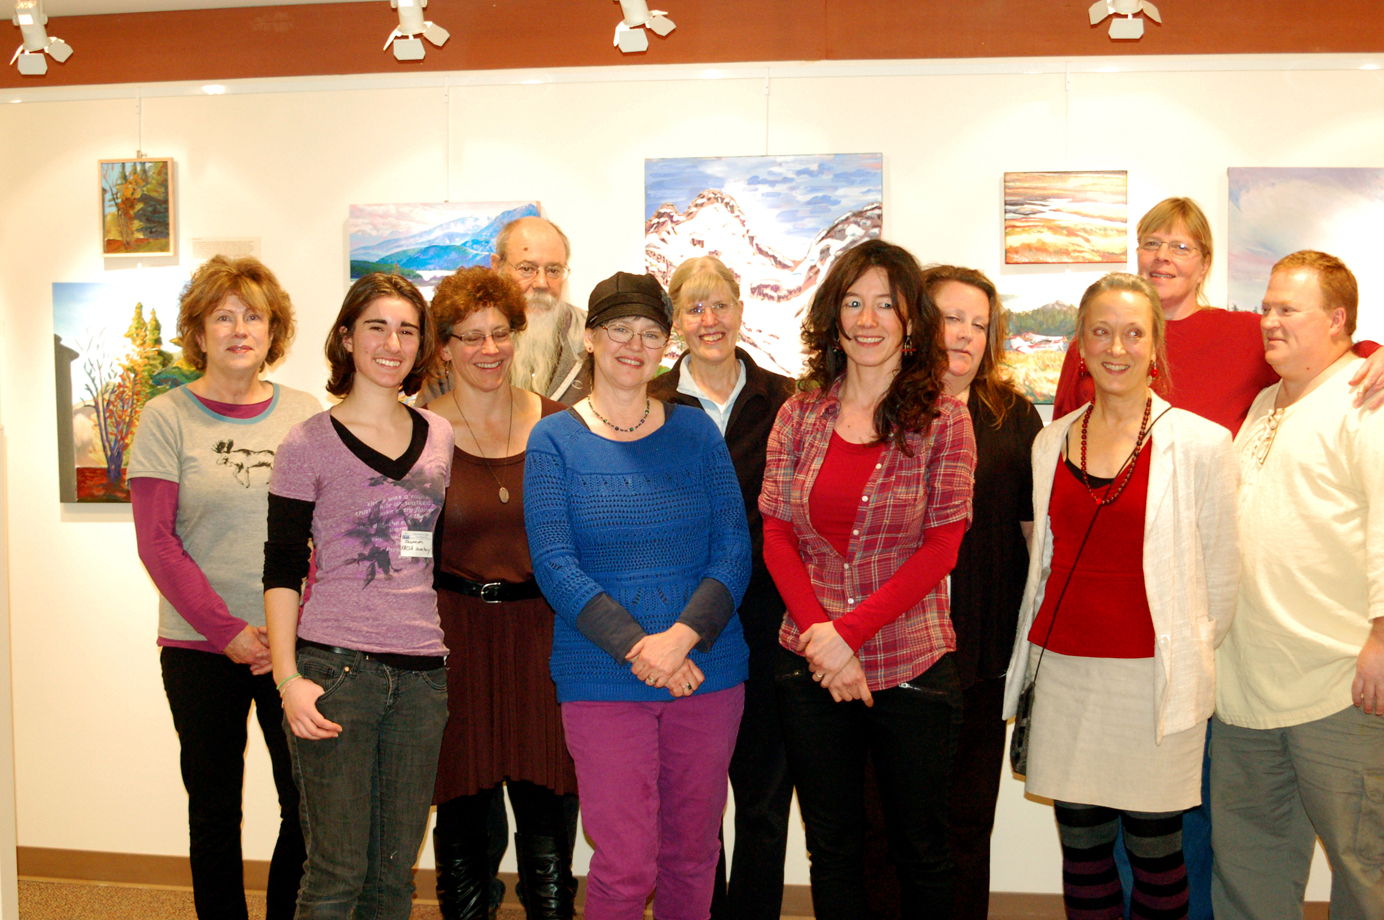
393	659
492	592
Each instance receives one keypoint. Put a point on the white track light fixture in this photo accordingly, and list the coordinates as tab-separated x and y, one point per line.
407	45
1126	24
630	36
29	16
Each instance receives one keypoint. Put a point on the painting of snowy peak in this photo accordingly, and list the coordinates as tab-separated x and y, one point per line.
426	242
777	222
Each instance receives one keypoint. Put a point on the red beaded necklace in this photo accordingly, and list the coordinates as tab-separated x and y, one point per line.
1129	467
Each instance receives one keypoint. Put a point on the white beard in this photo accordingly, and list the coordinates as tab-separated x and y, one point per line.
538	347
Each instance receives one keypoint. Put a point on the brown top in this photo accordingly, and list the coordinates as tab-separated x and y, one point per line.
484	538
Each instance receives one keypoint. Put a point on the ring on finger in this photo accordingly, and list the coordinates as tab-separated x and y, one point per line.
687	687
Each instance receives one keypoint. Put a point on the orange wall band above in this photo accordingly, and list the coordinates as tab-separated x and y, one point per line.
347	38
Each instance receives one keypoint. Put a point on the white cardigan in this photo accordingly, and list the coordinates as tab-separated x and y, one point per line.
1191	559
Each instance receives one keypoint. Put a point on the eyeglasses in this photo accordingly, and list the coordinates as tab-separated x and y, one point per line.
529	271
1264	439
474	338
700	310
621	335
1177	251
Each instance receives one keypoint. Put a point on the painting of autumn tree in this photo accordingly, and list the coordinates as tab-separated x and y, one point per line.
137	208
111	360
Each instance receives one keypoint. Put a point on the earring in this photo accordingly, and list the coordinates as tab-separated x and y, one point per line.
1081	370
1153	370
908	346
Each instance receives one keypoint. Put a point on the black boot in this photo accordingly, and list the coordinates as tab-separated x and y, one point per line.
545	876
463	878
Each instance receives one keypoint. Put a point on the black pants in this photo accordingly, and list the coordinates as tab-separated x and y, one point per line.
210	698
975	790
910	733
763	800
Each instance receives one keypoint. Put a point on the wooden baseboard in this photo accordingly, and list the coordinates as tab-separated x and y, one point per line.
172	872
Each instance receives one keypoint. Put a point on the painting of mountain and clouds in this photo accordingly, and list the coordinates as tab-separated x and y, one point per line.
426	242
778	222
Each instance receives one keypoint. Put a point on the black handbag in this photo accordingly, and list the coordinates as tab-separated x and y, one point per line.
1018	742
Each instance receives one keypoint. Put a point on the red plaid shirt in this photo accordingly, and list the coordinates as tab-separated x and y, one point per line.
903	497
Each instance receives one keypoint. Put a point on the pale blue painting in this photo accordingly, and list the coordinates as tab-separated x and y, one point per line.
425	242
1277	210
778	222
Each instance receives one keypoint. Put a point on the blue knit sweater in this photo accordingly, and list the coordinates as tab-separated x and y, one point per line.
643	522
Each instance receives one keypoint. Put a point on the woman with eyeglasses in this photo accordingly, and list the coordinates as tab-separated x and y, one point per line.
867	494
1131	584
638	538
503	724
1217	368
718	377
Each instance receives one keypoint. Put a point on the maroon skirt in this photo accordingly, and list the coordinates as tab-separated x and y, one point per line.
503	721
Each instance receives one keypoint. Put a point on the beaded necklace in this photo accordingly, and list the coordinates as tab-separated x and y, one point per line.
635	427
1128	473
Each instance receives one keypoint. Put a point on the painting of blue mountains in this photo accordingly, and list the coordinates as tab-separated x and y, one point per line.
425	242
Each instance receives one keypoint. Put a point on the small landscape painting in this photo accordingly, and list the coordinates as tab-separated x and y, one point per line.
1040	313
1278	210
426	242
111	358
137	213
1066	217
778	222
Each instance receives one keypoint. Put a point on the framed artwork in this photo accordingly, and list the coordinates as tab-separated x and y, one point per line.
1040	313
137	208
778	223
110	359
426	242
1277	210
1066	217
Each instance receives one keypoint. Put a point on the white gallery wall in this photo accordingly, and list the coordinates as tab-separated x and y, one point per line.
96	760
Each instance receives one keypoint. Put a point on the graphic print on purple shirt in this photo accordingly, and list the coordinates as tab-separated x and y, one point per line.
367	595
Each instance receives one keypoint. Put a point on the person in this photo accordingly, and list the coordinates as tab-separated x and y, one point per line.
988	581
715	375
1215	356
547	358
638	537
503	722
360	672
1217	368
1298	738
199	484
1131	583
866	664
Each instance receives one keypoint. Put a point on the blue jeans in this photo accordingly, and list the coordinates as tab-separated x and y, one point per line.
366	793
910	733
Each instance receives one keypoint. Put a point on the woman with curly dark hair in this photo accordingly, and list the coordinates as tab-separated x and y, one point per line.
867	494
503	725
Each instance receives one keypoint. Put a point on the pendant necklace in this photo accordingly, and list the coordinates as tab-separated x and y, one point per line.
1129	467
635	427
504	493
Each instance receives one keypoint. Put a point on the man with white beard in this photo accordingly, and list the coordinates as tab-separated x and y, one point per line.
548	353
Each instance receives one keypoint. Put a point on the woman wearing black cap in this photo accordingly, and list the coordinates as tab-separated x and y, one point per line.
638	537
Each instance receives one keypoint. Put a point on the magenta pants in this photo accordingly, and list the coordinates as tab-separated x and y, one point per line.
653	788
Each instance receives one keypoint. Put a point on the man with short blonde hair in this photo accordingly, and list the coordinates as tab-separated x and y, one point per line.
1297	749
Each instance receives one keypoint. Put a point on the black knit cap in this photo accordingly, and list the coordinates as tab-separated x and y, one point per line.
624	294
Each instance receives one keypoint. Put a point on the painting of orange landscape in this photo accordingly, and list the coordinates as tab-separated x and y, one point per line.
1065	217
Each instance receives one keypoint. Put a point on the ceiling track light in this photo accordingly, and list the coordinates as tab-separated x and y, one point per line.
407	45
1126	26
630	36
29	16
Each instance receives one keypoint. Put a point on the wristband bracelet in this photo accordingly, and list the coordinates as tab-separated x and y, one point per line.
287	680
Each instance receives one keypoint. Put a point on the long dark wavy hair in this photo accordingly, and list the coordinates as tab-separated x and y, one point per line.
910	404
992	384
